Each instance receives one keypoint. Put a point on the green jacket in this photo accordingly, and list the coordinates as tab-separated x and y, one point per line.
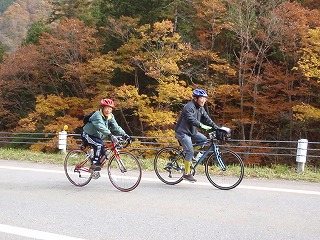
101	127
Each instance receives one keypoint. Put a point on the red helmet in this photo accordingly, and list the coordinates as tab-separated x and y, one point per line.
106	102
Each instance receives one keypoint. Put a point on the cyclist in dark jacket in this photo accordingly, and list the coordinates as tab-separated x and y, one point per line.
101	124
192	117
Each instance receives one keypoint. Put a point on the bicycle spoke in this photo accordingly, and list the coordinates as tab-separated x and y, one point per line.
228	173
169	165
125	172
77	168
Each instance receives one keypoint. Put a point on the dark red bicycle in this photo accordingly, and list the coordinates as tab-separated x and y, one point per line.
124	169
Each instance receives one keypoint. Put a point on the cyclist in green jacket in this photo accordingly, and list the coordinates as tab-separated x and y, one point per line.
192	117
101	124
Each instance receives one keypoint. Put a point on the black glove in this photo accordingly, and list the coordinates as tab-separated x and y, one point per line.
126	137
113	139
223	133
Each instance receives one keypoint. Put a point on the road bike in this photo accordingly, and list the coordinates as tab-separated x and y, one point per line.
224	168
124	169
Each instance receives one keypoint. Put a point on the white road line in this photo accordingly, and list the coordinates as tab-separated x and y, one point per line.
280	190
34	234
197	183
31	169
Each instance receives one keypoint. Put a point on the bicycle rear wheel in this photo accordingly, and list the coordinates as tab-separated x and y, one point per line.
169	165
124	172
77	167
228	178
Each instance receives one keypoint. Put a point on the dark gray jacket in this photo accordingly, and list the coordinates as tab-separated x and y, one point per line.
191	116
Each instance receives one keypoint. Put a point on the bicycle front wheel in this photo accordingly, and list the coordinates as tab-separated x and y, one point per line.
227	175
169	165
124	171
77	167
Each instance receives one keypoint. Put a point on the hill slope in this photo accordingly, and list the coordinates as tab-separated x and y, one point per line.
18	18
4	4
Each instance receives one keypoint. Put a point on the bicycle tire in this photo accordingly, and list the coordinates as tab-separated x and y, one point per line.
129	179
77	167
169	165
230	177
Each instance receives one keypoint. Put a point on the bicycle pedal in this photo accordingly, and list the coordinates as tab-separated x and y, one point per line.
96	175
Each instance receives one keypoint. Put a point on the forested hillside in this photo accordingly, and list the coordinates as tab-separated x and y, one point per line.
259	61
17	19
4	4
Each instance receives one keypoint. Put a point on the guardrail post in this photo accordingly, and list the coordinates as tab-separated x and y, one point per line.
301	154
62	143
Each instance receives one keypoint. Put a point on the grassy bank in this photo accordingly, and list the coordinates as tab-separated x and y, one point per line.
275	172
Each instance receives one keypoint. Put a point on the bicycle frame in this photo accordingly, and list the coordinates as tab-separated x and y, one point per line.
212	148
115	152
223	168
123	168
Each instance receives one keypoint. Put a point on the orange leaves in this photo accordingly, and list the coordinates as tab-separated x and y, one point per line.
292	24
29	124
71	42
213	20
57	125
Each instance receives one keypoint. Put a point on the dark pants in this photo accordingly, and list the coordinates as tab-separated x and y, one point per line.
186	142
96	143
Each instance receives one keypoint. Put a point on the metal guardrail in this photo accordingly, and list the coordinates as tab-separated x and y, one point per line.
269	151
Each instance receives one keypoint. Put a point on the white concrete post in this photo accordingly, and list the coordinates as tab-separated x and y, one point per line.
301	154
62	144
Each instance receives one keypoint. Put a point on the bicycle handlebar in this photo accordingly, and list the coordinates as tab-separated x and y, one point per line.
223	134
122	142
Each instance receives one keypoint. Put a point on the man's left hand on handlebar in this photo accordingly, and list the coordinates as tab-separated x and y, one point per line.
126	137
114	139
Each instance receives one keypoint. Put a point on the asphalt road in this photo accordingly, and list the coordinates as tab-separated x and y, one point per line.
38	202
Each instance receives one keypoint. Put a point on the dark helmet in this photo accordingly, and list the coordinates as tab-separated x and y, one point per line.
106	102
199	93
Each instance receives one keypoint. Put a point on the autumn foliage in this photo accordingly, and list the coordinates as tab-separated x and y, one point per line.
259	61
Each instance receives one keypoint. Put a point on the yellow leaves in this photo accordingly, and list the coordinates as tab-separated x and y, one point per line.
50	114
162	29
129	97
165	137
156	117
99	69
102	64
305	112
227	90
49	105
173	92
309	63
223	68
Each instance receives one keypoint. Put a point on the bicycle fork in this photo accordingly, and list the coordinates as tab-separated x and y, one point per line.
120	163
219	159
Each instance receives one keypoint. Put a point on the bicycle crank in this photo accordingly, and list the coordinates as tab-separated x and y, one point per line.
95	175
